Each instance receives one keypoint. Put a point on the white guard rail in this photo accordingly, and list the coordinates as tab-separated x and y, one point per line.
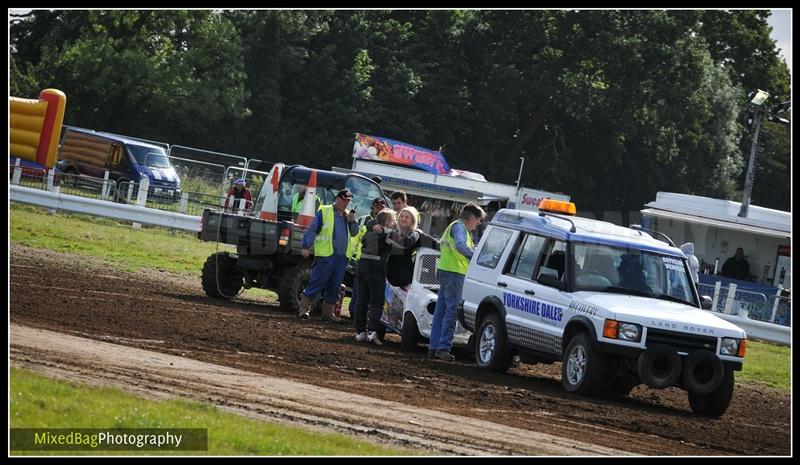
761	330
117	211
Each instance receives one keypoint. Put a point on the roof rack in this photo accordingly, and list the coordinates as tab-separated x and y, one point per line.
653	233
572	230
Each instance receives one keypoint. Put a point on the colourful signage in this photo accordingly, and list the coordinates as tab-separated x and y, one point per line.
381	149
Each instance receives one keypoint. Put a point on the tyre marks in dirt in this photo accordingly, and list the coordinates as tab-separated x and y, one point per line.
431	430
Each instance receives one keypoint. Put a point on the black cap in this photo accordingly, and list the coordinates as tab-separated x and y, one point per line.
344	194
379	200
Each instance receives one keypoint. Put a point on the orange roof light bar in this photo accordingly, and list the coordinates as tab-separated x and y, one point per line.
557	206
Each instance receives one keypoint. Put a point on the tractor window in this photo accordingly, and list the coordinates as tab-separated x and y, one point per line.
364	192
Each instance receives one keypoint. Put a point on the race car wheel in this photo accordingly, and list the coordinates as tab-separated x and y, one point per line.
410	333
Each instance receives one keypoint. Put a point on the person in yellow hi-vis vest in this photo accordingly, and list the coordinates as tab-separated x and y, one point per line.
330	233
456	248
299	196
378	204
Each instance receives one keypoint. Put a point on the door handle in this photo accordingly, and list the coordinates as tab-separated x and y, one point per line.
502	284
530	292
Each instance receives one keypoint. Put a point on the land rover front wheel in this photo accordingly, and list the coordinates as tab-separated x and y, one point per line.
715	403
491	345
582	368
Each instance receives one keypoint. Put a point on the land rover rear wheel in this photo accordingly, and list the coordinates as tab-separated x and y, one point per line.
491	345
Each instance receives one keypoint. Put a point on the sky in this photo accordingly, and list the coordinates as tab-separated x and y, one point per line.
781	22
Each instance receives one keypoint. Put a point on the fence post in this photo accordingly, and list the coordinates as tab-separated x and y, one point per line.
730	298
242	205
17	173
130	191
774	309
104	192
717	287
141	197
50	187
184	202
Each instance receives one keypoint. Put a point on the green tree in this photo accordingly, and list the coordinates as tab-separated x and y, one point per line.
164	75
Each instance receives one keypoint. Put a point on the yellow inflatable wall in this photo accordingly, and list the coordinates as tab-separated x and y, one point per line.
34	126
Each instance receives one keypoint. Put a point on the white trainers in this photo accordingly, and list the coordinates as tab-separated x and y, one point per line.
373	338
361	337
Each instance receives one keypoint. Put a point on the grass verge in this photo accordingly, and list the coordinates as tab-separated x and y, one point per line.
768	364
41	402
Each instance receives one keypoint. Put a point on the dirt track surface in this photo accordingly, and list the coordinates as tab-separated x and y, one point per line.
159	311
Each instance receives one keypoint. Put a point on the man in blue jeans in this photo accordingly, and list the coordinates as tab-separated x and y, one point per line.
330	234
457	248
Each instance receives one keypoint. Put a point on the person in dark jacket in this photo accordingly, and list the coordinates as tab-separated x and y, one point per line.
371	277
736	267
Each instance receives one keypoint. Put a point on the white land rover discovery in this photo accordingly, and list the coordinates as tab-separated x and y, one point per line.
616	306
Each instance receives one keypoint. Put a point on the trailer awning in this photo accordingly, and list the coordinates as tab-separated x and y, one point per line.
714	223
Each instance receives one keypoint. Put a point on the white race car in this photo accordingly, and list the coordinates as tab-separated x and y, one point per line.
409	312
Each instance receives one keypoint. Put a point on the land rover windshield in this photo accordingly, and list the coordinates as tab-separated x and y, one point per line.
602	268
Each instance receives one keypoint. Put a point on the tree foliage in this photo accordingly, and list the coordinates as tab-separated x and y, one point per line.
607	106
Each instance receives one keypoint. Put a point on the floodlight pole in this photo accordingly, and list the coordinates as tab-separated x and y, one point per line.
519	178
748	183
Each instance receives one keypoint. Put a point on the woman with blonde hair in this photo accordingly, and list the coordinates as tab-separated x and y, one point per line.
400	261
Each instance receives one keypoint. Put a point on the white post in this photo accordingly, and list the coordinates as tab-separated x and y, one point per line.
144	185
51	173
774	309
17	173
184	202
714	302
130	191
729	300
242	205
141	197
104	192
230	202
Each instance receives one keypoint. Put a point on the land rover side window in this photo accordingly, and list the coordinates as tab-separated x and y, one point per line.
556	258
493	247
527	256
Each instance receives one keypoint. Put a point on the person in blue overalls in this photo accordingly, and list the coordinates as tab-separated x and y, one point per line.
330	234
